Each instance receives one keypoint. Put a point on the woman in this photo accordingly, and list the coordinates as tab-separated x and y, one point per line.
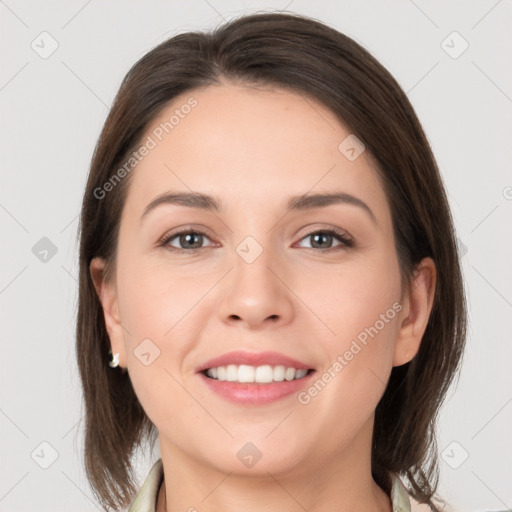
268	252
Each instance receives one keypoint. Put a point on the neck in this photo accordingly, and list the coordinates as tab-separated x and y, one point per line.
374	500
343	483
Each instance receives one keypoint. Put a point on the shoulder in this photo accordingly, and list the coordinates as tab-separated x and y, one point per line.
146	498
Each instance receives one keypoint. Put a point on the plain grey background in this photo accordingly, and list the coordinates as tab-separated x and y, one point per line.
62	63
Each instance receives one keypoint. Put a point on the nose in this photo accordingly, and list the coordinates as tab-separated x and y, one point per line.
256	294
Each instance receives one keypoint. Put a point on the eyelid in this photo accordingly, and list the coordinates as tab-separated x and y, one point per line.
338	231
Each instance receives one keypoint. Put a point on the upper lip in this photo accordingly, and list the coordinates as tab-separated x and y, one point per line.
253	359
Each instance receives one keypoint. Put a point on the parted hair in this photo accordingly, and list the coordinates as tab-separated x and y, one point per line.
303	55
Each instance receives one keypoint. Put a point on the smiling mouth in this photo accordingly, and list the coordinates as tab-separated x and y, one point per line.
264	374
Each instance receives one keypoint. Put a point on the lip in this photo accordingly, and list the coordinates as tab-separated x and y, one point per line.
255	393
253	359
243	393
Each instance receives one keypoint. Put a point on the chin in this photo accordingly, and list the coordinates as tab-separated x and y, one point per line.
253	455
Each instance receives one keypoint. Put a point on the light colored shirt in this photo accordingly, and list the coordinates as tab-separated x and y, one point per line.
146	498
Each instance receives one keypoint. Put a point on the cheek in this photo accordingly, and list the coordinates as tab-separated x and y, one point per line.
157	314
357	295
162	311
361	305
156	300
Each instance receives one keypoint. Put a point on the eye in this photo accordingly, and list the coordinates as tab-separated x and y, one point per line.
322	239
187	240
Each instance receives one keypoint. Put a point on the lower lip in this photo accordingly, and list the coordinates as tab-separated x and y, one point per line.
256	394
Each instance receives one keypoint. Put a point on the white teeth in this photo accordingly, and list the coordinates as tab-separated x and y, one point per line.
221	373
289	374
260	374
246	373
231	372
279	373
264	374
210	372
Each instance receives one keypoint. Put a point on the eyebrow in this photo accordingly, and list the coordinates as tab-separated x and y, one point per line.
295	203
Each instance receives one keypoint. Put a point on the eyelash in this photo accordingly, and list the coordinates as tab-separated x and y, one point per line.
346	242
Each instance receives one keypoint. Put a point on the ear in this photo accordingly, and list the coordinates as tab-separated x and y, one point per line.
107	294
417	305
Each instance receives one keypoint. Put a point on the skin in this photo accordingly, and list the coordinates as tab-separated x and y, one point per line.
261	145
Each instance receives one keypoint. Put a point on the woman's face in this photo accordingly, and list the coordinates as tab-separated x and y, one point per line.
257	275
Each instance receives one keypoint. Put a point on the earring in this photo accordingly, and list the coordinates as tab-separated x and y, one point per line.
114	363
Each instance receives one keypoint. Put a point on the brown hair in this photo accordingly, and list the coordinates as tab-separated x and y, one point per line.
304	55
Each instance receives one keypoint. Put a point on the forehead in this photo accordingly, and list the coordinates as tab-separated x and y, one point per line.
251	145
